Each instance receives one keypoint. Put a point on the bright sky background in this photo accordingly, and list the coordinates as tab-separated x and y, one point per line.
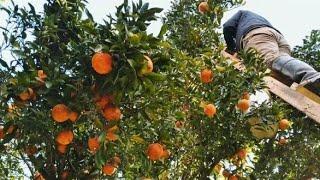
294	18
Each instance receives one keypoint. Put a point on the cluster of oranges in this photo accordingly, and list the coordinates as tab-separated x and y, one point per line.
207	76
61	113
29	93
283	124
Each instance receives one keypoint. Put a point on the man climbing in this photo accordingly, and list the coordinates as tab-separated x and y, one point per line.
246	30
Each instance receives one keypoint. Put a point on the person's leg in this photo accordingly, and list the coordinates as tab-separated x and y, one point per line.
297	70
264	42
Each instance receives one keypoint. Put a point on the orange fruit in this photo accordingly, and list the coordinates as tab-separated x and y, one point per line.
246	96
42	75
155	151
73	116
165	154
226	173
284	124
116	161
113	129
147	67
38	176
64	137
62	148
102	63
243	104
282	141
27	94
203	7
179	124
103	101
60	113
233	177
112	113
206	76
1	133
108	169
93	144
111	136
242	153
64	175
31	150
210	110
11	129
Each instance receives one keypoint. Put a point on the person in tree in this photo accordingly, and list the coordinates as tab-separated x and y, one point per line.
245	30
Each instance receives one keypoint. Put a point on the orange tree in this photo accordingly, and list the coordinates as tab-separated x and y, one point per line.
86	100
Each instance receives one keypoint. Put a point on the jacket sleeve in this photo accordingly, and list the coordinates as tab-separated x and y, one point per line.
230	31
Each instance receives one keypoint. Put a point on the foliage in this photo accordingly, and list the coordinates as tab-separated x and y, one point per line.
310	50
165	106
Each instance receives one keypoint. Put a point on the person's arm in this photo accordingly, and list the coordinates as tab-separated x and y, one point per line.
229	32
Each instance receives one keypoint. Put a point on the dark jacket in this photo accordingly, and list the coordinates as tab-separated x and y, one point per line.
239	25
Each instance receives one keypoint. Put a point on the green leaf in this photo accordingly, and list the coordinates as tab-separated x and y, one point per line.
4	63
163	31
48	84
156	76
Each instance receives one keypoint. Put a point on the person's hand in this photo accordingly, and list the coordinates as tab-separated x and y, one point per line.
233	57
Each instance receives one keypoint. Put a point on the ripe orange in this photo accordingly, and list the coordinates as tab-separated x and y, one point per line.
61	148
203	7
155	151
112	113
210	110
242	153
284	124
282	141
246	96
243	104
102	63
165	154
11	129
64	175
103	101
113	129
226	173
179	124
73	116
60	113
147	67
206	76
1	133
31	150
233	177
116	161
111	136
93	144
64	137
38	176
42	75
108	169
27	94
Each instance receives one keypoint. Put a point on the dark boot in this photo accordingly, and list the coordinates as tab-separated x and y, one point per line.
299	72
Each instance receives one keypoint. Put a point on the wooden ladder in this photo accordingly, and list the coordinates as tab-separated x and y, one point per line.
294	94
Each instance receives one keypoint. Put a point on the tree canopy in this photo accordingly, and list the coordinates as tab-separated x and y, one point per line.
81	99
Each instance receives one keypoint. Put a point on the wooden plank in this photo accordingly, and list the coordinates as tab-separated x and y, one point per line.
305	92
297	100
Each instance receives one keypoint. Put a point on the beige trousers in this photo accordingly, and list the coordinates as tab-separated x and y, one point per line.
268	42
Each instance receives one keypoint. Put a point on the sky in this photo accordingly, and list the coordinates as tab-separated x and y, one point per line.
294	18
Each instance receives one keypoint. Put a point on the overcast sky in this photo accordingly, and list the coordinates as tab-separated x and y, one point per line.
294	18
